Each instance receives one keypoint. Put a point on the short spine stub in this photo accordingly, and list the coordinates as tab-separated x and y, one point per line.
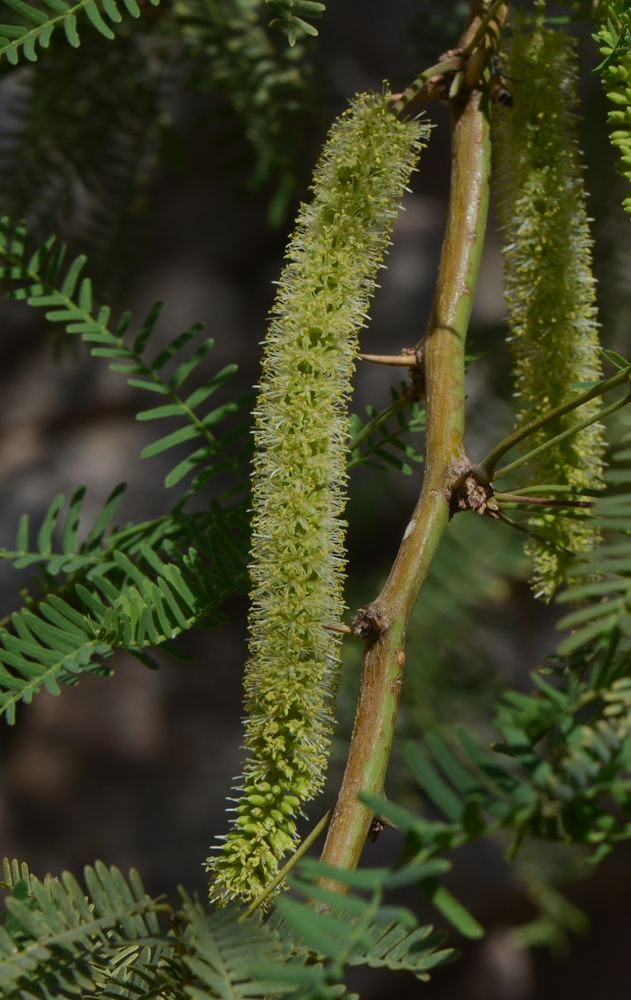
298	486
549	285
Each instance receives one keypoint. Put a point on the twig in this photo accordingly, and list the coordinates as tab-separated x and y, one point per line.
491	13
557	488
402	360
285	870
484	471
411	92
542	501
579	426
535	536
454	62
385	620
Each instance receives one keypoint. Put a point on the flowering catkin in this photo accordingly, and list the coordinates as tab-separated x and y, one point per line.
549	286
299	474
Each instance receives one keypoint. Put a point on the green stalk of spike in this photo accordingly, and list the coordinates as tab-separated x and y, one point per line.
549	285
299	476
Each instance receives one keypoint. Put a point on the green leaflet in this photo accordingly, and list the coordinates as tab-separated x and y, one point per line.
614	40
111	939
128	594
41	24
266	84
301	435
56	941
548	280
40	279
291	17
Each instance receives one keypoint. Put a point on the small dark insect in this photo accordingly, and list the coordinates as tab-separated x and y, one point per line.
499	93
375	829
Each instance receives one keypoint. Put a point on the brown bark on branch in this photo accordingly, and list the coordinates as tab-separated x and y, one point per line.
383	623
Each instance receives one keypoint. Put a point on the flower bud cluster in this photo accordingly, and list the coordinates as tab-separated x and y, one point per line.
299	475
549	285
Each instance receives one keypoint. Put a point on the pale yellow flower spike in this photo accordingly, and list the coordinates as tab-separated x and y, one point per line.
548	278
299	476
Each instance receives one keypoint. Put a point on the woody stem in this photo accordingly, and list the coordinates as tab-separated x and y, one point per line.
444	353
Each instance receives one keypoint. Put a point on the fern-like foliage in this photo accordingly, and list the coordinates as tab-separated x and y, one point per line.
82	131
216	532
58	942
226	952
113	940
291	17
119	590
319	946
119	603
265	86
614	40
361	931
476	794
19	38
38	279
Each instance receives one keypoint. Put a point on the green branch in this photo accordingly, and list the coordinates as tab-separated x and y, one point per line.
383	623
552	442
285	870
556	488
534	535
491	15
439	68
513	500
484	471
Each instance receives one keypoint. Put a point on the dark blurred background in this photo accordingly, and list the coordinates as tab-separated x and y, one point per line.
135	769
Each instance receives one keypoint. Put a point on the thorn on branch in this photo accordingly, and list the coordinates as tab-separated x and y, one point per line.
411	358
406	359
343	629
